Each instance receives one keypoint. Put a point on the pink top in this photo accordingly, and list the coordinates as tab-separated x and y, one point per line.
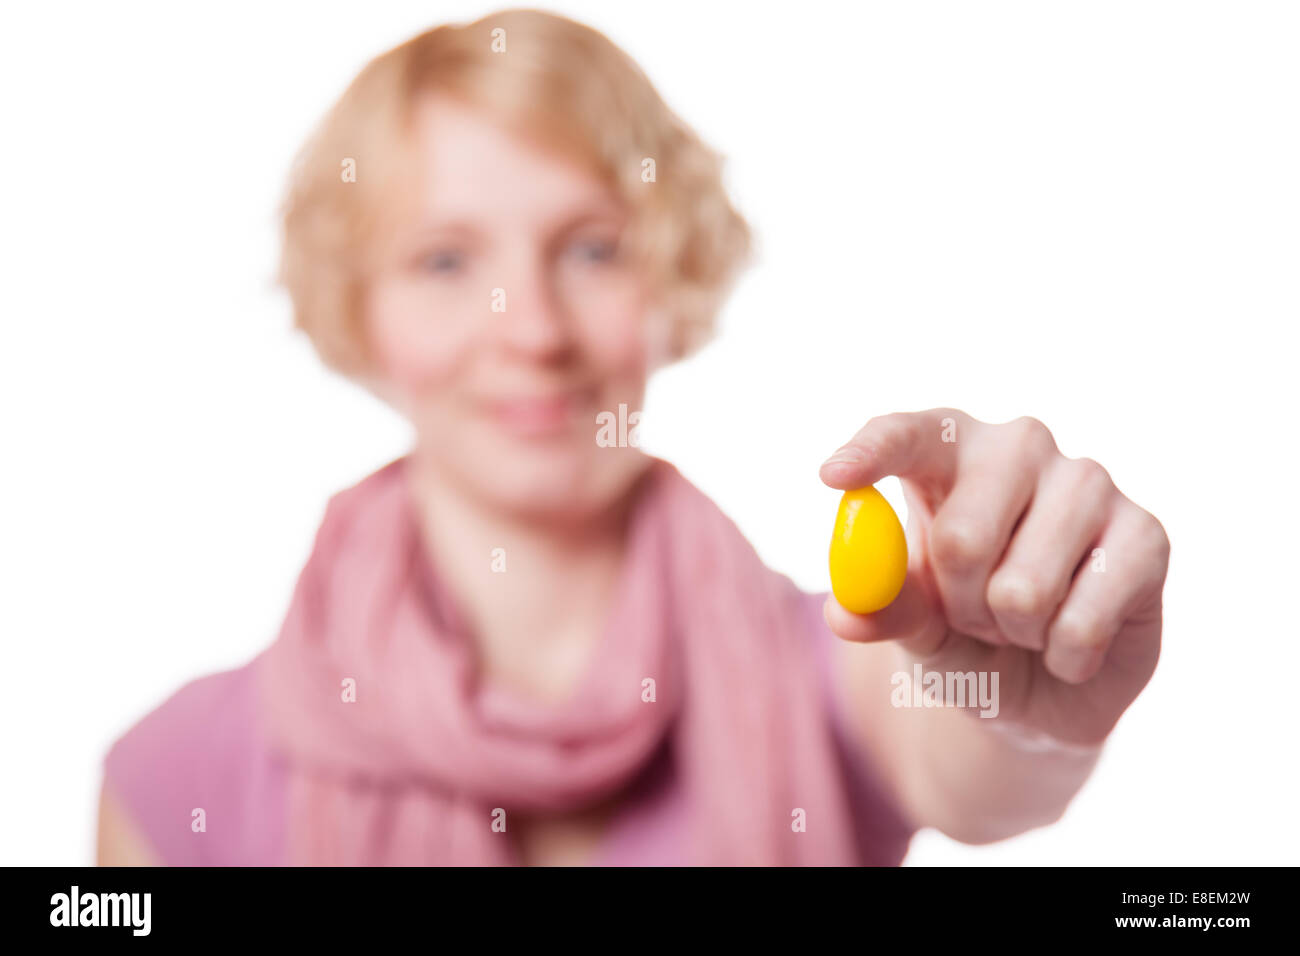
202	748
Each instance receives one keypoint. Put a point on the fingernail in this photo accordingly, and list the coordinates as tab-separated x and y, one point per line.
848	455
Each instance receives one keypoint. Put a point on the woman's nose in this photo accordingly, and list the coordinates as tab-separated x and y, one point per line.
534	320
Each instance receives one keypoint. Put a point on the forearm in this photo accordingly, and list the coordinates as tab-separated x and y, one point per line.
978	780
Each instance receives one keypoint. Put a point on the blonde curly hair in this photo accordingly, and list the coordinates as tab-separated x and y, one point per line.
560	83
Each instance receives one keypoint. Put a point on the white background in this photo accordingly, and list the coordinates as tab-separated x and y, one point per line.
1085	212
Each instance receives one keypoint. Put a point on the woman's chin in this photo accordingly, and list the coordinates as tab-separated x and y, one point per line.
560	480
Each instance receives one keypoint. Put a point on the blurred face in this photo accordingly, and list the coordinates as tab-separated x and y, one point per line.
504	320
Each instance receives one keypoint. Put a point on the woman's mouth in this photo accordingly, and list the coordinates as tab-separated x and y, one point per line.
540	416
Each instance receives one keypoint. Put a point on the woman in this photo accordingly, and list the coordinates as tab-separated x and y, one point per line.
529	642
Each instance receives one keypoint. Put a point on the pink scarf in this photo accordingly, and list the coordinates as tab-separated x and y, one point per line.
411	772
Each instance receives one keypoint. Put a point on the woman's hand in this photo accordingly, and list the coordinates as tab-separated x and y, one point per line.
1021	561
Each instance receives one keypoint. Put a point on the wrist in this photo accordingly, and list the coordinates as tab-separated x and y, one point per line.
1033	741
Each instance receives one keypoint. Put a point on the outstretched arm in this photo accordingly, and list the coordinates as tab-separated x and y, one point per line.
1023	564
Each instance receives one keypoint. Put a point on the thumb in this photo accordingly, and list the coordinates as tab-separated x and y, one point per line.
913	617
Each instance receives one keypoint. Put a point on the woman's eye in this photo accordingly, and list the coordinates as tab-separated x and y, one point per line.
442	262
595	250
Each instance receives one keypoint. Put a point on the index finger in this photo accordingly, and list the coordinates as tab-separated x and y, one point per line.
906	444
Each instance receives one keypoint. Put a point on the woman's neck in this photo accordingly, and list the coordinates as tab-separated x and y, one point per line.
535	594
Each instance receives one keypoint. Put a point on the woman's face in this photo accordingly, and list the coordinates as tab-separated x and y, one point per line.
503	320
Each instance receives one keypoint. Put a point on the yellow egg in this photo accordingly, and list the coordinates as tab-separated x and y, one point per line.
868	552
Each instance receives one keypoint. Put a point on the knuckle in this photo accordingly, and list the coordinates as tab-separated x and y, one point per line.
1077	630
1018	594
956	414
888	432
1092	476
959	544
1032	436
1148	537
1158	536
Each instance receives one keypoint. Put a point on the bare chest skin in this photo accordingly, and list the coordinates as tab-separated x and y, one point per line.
563	840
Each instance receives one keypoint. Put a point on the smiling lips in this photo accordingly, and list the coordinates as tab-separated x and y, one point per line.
540	416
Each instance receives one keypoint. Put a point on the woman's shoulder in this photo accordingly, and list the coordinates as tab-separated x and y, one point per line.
196	778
